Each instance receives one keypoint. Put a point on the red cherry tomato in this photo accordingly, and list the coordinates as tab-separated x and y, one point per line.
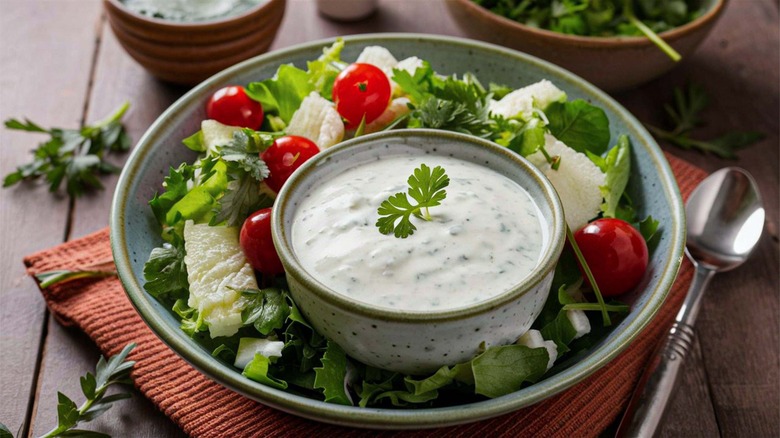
361	90
231	106
616	254
258	245
284	156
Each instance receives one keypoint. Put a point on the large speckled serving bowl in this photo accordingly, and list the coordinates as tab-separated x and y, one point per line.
134	231
392	338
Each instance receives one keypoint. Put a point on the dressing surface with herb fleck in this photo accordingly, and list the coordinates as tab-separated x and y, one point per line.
483	239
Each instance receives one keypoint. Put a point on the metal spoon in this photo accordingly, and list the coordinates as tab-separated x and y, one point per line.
725	217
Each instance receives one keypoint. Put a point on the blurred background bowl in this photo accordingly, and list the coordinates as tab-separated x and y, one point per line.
610	63
188	52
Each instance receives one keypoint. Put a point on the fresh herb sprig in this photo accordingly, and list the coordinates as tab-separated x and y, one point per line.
94	386
426	186
76	156
685	114
50	278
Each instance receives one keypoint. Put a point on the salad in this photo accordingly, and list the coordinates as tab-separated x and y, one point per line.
218	270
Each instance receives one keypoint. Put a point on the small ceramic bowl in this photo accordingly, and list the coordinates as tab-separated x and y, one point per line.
390	338
610	63
188	52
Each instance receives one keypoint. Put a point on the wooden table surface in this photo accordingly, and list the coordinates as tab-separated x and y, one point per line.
60	65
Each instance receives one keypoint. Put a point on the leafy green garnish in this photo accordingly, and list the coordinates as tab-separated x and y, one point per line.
165	272
76	156
330	377
267	309
257	370
322	72
617	167
685	115
5	432
191	320
426	187
580	125
94	386
282	94
502	370
50	278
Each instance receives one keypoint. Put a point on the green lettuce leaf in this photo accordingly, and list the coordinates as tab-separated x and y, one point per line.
282	94
175	185
580	125
322	72
617	165
165	272
330	377
503	370
257	370
195	142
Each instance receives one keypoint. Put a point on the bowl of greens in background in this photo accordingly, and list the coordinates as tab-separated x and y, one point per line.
135	232
612	46
186	41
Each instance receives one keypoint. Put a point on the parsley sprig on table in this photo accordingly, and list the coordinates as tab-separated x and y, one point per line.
94	386
76	156
685	115
426	186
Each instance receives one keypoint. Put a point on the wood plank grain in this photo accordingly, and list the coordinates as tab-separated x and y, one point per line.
117	79
44	77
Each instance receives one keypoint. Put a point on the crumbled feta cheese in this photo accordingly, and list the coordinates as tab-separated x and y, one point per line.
579	321
317	120
577	181
534	339
521	102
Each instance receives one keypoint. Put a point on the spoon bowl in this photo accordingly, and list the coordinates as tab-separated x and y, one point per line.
725	219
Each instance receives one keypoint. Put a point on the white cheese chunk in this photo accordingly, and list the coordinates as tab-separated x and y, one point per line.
534	339
577	181
521	102
579	321
317	120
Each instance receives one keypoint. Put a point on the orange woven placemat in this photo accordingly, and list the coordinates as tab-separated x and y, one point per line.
203	408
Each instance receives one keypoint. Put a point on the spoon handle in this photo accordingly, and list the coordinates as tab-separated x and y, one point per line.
648	404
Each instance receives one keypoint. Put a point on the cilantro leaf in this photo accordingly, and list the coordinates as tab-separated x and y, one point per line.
165	272
331	376
241	198
426	187
76	156
267	309
243	150
282	94
580	125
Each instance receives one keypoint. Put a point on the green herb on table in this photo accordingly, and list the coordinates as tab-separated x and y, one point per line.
94	386
601	18
685	114
76	156
426	186
50	278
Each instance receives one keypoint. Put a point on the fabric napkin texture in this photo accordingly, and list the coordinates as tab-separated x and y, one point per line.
203	408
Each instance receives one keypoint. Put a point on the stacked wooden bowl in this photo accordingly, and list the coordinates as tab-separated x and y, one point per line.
188	53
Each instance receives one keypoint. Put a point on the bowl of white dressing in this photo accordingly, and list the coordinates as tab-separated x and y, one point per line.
474	273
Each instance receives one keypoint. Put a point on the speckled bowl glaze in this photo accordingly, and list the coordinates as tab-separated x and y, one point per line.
415	342
135	232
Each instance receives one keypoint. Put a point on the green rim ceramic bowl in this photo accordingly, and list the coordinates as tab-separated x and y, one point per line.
134	231
392	338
